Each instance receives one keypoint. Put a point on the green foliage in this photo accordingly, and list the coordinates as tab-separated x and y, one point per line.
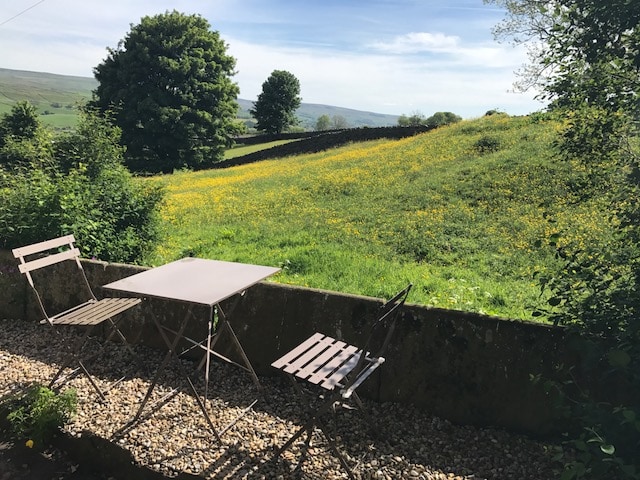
439	119
20	123
339	122
22	138
169	85
487	144
323	122
587	61
595	293
38	413
275	108
81	187
582	52
414	119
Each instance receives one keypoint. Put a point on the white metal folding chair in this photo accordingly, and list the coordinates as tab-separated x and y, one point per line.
338	369
88	314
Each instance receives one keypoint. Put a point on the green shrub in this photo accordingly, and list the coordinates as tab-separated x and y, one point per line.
38	413
80	186
487	144
594	293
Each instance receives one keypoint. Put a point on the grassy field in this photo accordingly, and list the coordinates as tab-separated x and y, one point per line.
241	150
456	211
56	97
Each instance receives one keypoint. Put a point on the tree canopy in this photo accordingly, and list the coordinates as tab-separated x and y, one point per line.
438	119
276	106
585	58
23	140
168	84
21	122
580	51
323	122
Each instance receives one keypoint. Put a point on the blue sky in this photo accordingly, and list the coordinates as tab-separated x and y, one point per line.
385	56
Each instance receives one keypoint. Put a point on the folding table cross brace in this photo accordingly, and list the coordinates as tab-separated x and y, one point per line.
197	282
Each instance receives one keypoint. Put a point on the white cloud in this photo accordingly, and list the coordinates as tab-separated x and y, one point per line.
418	42
416	71
387	83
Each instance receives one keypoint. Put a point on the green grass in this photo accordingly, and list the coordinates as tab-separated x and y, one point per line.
441	210
56	97
241	150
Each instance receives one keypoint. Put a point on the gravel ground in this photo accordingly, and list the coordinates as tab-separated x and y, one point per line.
176	440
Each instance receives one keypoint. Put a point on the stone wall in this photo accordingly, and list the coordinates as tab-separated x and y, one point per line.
467	368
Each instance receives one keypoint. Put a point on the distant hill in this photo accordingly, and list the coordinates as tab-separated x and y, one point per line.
308	114
57	96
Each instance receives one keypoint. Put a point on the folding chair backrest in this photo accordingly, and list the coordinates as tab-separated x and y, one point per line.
45	254
385	318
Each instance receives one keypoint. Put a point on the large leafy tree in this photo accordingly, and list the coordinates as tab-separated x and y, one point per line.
276	106
169	86
585	59
580	51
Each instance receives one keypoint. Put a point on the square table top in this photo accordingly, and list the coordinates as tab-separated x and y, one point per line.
194	280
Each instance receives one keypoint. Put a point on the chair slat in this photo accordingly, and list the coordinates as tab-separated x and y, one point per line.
331	381
314	367
296	352
324	349
43	246
48	260
95	312
346	355
363	375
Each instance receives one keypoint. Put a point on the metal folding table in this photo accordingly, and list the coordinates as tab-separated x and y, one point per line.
196	281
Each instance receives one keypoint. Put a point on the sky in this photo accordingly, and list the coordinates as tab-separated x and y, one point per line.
384	56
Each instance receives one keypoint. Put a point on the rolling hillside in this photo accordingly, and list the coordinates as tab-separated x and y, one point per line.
457	211
57	98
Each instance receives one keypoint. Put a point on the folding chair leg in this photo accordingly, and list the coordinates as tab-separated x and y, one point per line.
308	427
74	356
304	454
116	331
336	452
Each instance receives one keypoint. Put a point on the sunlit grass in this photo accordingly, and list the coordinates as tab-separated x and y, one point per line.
240	150
367	218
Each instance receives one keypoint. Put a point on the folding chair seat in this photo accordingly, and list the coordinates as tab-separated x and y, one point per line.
334	370
89	314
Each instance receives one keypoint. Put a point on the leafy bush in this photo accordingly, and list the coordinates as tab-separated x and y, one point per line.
38	413
595	294
487	144
81	188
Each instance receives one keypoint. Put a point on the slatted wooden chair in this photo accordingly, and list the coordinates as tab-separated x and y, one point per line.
335	370
88	314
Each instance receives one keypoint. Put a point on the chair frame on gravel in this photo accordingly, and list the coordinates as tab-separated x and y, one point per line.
338	369
88	314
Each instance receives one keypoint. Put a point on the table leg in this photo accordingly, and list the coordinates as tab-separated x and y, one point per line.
245	359
171	349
